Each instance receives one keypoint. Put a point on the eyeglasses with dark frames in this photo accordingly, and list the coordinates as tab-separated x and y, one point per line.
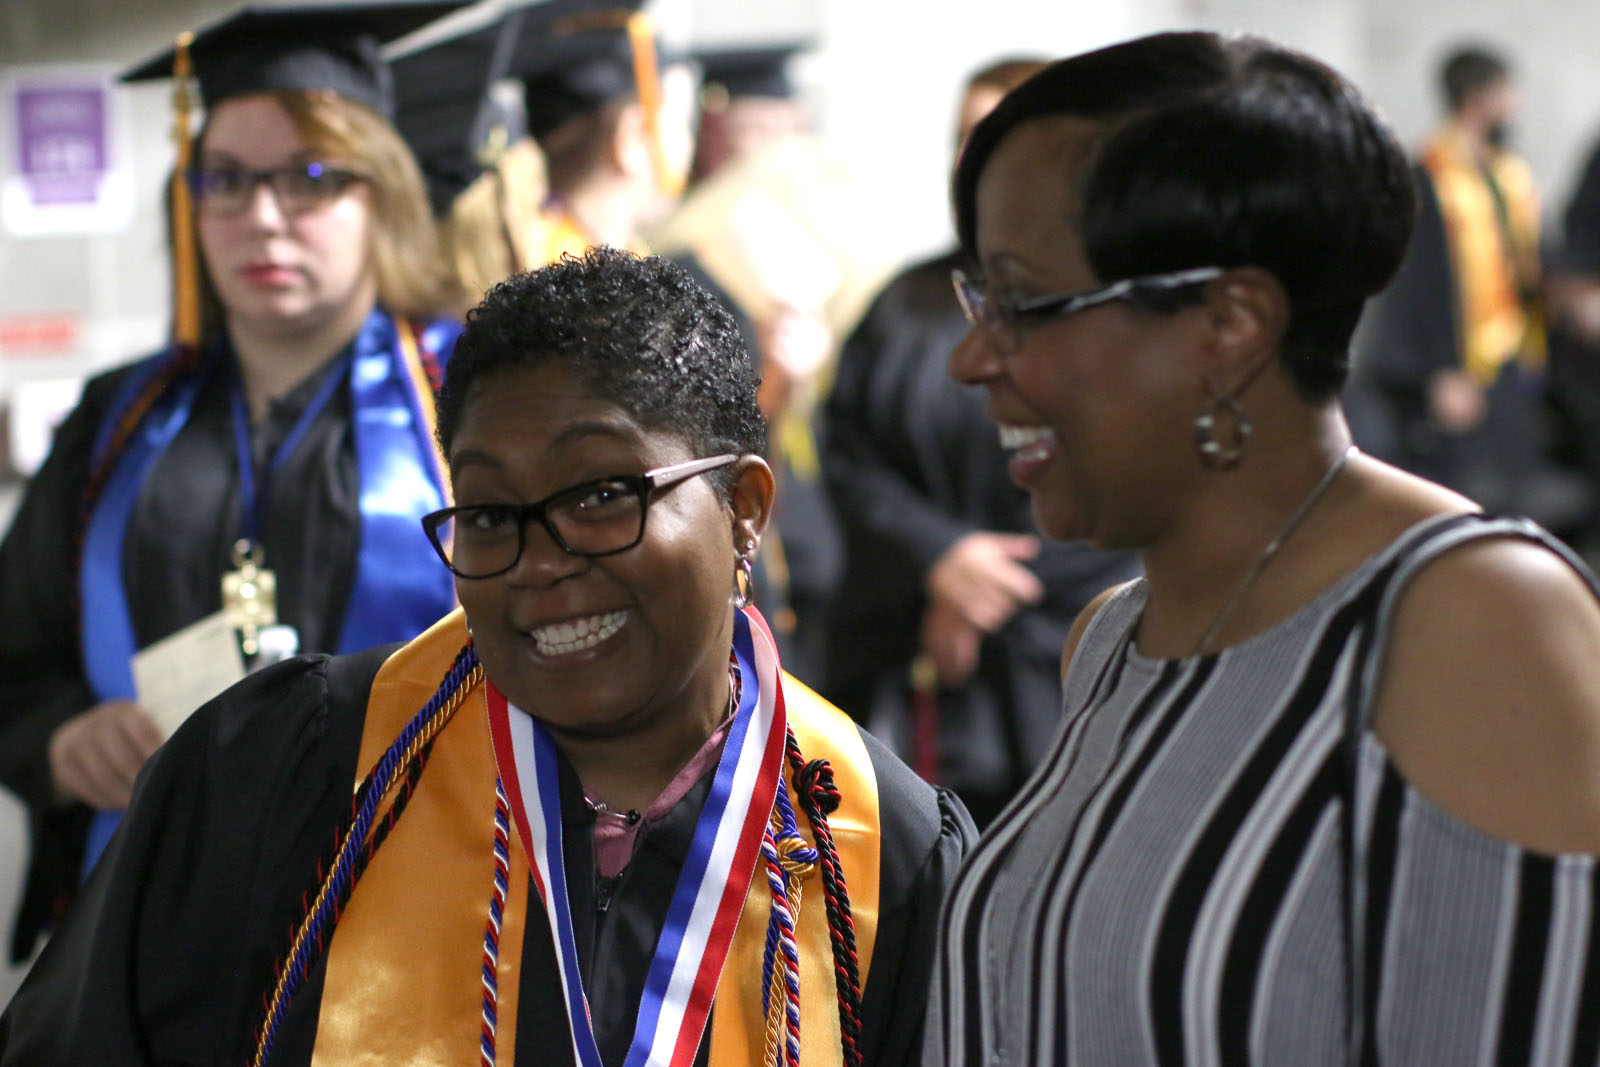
597	518
228	190
1003	319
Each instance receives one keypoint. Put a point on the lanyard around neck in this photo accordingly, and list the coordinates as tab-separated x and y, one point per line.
251	497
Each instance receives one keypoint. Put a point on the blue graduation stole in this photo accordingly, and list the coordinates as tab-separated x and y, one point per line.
400	587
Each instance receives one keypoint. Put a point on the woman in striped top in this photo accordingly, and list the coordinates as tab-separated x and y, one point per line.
1327	789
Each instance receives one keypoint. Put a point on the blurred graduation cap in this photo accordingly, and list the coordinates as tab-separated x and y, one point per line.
260	49
446	107
584	53
729	73
331	47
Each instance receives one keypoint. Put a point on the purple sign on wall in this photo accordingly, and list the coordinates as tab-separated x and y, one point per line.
61	142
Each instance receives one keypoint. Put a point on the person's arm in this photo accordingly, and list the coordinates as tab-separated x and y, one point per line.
1081	623
1489	700
42	683
972	580
59	750
170	947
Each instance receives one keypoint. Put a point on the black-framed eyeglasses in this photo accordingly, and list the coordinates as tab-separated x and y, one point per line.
598	518
1003	319
298	186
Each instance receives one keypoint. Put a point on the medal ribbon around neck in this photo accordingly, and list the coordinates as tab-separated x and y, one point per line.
722	861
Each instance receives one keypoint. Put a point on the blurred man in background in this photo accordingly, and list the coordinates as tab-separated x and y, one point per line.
946	634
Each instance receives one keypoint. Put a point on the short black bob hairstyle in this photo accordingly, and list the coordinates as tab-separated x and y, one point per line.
638	332
1226	151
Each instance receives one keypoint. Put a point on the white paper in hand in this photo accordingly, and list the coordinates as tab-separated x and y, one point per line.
182	671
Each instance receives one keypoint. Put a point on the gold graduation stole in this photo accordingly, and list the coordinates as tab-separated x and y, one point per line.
1494	258
404	979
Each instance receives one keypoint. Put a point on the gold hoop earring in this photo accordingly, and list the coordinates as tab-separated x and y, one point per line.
1215	453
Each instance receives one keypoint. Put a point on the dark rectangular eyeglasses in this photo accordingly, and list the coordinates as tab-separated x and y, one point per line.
598	518
228	190
1003	319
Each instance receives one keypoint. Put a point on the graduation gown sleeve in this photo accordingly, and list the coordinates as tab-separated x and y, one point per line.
1580	246
42	682
166	955
871	441
1413	333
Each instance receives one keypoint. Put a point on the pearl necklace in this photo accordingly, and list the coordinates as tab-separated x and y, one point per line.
1272	548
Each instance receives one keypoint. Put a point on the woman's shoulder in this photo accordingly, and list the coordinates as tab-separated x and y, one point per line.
1488	700
914	818
283	714
1091	615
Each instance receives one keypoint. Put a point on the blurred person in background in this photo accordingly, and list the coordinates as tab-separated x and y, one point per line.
458	110
611	106
596	148
265	474
946	634
1572	286
1455	347
777	219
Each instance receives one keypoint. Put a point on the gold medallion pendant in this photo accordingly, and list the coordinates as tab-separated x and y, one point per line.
249	595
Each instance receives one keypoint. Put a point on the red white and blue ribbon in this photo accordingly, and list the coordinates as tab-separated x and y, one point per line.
723	857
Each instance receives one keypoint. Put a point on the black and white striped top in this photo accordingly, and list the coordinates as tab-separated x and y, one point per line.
1172	885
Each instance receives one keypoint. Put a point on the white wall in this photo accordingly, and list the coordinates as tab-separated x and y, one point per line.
888	81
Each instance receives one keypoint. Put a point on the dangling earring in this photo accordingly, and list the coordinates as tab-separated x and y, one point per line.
1216	454
744	578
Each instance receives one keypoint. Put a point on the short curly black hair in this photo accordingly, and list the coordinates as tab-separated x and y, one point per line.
639	332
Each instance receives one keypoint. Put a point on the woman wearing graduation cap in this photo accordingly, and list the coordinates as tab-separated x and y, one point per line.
262	477
599	149
584	820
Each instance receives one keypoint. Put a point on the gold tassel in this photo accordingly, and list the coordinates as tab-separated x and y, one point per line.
647	80
185	268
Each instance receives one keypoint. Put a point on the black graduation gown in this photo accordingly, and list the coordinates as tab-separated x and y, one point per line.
1575	361
1412	332
913	465
179	543
168	953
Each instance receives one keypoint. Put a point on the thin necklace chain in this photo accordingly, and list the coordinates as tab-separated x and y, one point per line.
1272	548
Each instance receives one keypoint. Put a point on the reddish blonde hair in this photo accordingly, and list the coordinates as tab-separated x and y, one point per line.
413	280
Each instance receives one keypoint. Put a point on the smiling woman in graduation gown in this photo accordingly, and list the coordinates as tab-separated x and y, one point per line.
293	412
584	815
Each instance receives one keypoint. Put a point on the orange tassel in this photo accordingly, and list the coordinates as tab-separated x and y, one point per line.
647	80
185	267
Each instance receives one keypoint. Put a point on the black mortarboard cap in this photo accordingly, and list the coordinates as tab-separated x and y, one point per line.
578	57
445	108
751	71
332	47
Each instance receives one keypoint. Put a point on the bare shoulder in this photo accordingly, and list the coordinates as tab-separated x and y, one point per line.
1081	623
1489	703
